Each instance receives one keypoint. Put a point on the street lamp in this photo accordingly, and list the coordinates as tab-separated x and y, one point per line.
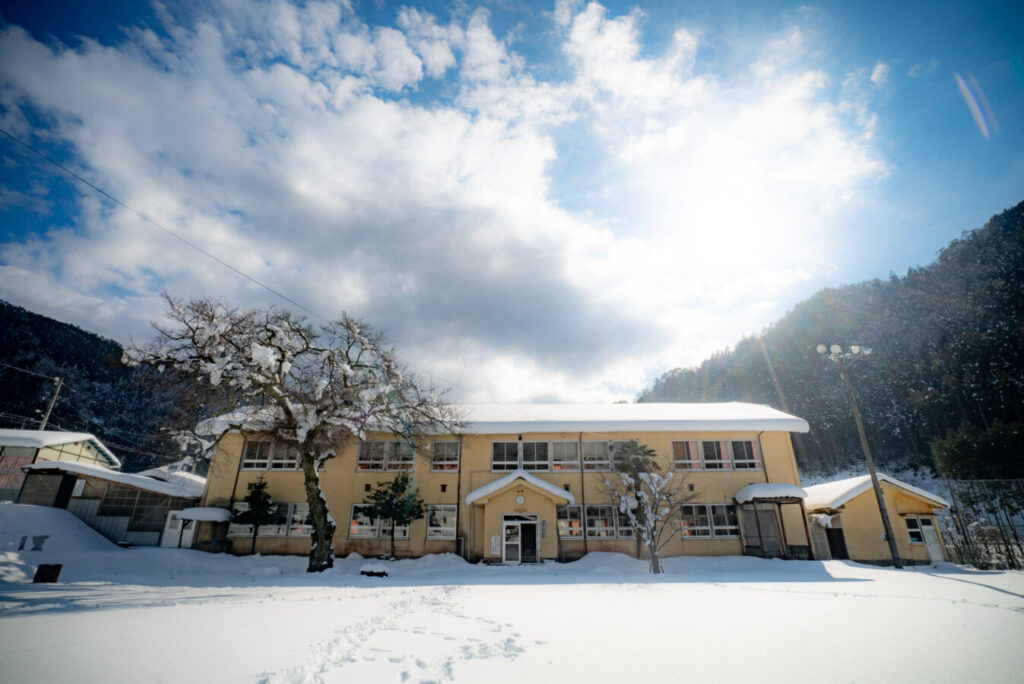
836	354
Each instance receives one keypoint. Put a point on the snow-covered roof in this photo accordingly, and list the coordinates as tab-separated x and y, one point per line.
508	418
205	514
832	495
178	477
769	490
185	489
38	439
502	482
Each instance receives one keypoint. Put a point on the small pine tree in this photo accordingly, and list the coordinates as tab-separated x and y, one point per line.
398	501
261	509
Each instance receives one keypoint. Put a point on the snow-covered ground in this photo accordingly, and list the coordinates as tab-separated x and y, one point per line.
146	615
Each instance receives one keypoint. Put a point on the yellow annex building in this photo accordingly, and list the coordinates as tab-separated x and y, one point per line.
525	483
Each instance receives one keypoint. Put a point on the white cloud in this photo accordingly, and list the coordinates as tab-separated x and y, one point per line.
443	219
880	74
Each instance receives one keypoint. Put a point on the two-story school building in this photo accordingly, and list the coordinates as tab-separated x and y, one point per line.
526	483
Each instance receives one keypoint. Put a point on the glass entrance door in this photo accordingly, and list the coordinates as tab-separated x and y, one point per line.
510	549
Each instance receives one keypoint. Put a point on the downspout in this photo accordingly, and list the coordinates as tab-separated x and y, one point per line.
458	498
583	498
764	461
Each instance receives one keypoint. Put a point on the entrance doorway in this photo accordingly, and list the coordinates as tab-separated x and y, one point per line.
762	529
178	533
521	543
931	539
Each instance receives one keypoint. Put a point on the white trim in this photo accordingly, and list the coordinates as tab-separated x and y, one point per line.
502	482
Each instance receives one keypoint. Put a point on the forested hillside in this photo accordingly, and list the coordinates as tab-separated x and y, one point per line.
947	355
100	395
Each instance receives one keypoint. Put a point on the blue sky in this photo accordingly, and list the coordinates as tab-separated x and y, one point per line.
538	201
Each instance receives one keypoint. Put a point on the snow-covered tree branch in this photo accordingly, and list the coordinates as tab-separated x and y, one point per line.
268	371
650	500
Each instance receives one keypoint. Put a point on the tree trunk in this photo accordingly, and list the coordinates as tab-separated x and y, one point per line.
255	531
655	562
392	539
321	555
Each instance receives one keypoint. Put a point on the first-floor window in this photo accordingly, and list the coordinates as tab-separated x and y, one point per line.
362	526
914	530
287	520
441	521
710	520
570	525
607	522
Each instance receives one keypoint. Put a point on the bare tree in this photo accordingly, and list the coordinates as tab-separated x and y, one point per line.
268	371
650	501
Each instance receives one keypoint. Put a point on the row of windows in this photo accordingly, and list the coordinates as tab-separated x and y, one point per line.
292	520
508	456
603	521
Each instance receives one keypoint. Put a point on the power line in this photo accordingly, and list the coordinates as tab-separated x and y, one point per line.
25	370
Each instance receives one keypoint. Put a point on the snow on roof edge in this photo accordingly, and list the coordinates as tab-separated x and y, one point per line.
49	438
502	482
183	490
205	514
769	490
839	492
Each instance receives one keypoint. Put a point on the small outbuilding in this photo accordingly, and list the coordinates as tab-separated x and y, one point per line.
22	447
140	509
845	521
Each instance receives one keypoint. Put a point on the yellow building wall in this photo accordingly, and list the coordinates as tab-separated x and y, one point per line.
343	485
78	452
864	533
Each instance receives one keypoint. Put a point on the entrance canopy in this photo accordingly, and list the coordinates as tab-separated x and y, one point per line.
482	494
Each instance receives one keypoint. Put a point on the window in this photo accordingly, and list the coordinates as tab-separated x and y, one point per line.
740	454
744	455
535	456
444	456
265	454
684	457
595	456
256	454
441	521
606	521
389	455
362	526
565	456
150	513
914	530
570	526
119	500
711	453
504	456
710	520
287	520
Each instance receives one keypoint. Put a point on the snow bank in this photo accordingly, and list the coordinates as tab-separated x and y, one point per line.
64	532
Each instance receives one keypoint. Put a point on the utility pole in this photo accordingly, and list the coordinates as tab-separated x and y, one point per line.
837	356
53	400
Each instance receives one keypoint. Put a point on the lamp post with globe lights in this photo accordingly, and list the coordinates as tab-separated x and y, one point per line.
836	354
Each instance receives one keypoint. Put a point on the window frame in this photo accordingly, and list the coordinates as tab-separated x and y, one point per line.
563	523
618	528
279	455
444	464
284	524
911	532
710	529
560	464
439	532
380	528
694	450
391	455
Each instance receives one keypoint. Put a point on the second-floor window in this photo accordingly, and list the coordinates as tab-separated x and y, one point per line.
266	454
387	455
737	454
444	456
537	456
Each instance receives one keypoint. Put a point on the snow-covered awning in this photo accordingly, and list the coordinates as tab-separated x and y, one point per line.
769	490
182	489
205	514
832	495
38	439
508	480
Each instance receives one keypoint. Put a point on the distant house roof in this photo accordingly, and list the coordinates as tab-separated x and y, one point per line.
50	438
183	488
832	495
508	418
502	482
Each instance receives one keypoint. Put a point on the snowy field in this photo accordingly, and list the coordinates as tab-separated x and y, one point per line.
167	615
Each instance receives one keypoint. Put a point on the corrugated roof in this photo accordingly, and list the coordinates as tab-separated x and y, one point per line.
49	438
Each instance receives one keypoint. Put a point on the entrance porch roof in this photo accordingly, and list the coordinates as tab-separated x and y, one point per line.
481	494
